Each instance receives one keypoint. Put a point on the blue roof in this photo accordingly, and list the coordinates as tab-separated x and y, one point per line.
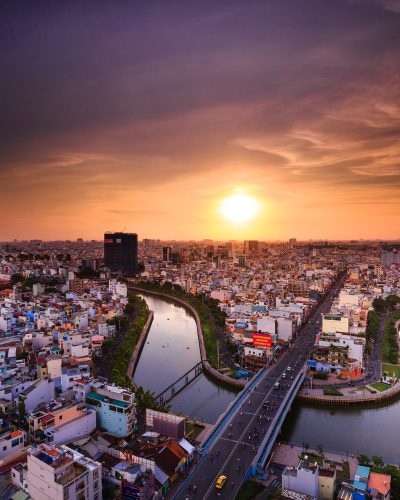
100	397
363	471
359	485
45	458
361	478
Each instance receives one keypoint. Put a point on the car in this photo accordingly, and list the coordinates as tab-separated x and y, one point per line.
266	404
220	483
288	368
277	385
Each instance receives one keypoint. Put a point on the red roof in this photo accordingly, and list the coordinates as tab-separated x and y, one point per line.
379	482
47	418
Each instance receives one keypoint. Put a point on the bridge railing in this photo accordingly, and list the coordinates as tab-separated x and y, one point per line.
224	418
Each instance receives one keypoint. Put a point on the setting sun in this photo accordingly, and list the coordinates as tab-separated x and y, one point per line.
239	208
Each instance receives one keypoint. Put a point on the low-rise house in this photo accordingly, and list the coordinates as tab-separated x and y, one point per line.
11	442
59	422
40	391
379	485
132	480
326	483
301	479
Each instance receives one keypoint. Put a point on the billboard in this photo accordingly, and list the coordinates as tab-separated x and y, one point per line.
262	340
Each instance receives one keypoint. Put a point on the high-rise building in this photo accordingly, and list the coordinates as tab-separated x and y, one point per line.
251	246
121	252
166	252
175	258
242	261
229	248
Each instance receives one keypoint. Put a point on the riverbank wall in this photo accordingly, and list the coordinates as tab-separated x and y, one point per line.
236	384
139	346
360	400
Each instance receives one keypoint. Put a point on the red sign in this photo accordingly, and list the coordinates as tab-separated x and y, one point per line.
108	240
262	340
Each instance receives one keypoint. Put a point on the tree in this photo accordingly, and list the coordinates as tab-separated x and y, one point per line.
363	460
21	409
320	449
16	278
392	301
378	462
379	305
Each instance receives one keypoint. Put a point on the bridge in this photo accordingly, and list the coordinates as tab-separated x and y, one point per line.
243	437
184	380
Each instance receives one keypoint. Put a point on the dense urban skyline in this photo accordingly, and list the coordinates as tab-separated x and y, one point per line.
148	115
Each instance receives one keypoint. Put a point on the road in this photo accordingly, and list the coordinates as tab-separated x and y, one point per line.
234	450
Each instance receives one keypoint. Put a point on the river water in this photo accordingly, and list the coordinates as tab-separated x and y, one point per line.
172	348
369	431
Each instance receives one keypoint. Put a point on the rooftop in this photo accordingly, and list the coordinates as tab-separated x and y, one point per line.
379	482
100	397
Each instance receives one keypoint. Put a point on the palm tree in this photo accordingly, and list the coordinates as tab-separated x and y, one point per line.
378	462
363	460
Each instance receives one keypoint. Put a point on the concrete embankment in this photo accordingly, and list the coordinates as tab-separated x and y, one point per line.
351	399
139	346
236	384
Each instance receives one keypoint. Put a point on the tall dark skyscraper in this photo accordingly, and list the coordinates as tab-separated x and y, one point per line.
166	252
121	252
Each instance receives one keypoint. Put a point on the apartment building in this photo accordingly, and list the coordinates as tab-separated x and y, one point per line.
115	406
59	473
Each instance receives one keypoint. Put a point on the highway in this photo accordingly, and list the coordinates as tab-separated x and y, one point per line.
233	452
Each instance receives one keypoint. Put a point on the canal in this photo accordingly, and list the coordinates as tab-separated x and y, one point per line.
368	431
170	350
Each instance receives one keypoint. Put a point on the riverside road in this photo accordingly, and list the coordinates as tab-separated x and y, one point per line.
233	451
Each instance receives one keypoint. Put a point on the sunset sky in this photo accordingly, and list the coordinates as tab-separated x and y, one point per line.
147	115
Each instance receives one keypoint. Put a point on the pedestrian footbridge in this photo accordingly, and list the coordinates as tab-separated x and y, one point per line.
183	381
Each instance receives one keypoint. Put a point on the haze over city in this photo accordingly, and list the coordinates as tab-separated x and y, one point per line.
149	115
200	250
